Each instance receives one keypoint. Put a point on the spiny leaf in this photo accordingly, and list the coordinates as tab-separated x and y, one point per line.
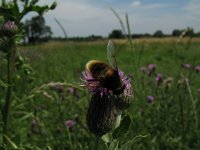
53	6
39	9
123	128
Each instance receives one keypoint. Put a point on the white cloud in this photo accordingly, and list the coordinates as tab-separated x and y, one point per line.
154	6
136	4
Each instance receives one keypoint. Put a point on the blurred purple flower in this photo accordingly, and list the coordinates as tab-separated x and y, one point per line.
34	123
198	90
151	69
186	66
71	90
159	78
197	68
9	28
69	123
150	99
9	25
143	69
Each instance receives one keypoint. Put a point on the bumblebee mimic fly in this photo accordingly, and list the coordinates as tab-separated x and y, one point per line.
107	74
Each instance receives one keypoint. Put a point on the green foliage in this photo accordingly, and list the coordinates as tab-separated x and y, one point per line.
123	128
166	123
36	30
10	11
116	34
45	99
158	33
10	35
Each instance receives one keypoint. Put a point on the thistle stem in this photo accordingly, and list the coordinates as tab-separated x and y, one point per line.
6	109
3	2
193	105
97	142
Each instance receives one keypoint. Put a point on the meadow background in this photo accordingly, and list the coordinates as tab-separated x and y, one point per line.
49	105
168	122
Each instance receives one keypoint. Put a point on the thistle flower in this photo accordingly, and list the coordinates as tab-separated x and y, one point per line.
150	99
151	69
71	90
8	29
124	100
143	69
69	123
34	123
104	103
198	90
197	69
94	86
159	79
34	126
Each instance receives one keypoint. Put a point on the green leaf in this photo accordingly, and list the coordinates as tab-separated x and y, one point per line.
49	148
33	2
10	13
123	128
113	145
26	116
106	138
53	6
102	145
15	10
39	9
2	84
11	142
6	12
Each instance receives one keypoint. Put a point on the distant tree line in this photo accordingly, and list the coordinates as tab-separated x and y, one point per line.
159	33
36	31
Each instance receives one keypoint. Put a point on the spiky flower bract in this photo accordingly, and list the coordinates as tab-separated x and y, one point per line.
101	114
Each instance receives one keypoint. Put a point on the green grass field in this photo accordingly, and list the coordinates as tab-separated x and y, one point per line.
171	121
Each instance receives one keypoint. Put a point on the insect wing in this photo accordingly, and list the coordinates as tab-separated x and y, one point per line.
111	54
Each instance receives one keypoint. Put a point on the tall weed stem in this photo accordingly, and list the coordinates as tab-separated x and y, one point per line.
8	99
193	104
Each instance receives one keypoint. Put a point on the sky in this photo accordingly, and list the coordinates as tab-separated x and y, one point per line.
88	17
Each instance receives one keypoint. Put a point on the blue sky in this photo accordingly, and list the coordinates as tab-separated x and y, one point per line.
87	17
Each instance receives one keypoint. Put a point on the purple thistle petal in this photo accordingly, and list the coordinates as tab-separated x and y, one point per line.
198	90
197	68
150	99
69	123
94	86
143	69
